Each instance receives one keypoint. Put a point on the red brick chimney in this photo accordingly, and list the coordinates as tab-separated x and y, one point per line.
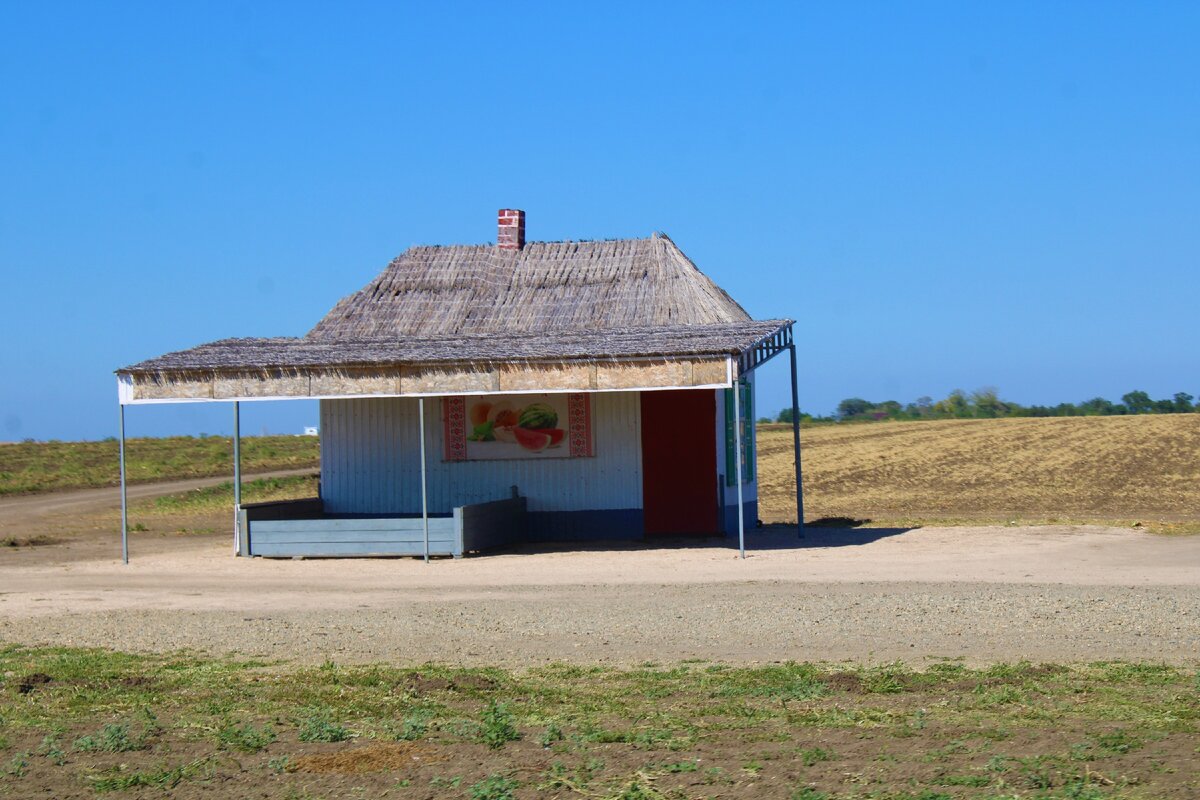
511	229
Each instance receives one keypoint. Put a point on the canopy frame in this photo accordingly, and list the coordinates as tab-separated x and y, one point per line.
701	374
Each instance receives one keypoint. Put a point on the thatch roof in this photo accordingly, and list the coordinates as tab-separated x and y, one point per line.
239	355
544	286
563	316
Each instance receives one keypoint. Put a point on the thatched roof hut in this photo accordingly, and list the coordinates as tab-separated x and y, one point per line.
560	321
482	318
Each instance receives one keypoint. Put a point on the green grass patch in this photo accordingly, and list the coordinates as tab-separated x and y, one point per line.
499	726
121	778
494	787
317	726
246	738
118	722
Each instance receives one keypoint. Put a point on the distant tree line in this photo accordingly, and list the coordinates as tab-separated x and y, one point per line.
986	404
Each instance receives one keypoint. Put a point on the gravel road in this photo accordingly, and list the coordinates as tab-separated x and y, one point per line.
980	594
666	623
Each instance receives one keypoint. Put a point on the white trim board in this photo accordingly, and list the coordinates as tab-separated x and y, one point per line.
125	392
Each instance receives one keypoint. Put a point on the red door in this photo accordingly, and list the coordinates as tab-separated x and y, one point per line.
679	461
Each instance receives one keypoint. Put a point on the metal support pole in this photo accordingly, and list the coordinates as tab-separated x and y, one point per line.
237	475
124	496
796	443
737	436
424	491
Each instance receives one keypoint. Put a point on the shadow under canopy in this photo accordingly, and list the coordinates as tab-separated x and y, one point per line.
771	537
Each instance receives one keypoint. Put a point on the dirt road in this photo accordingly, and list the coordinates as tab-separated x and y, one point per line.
980	594
14	511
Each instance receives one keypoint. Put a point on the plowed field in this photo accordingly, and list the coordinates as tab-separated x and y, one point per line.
1115	469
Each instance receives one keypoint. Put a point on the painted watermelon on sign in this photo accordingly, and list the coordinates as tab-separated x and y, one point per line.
517	426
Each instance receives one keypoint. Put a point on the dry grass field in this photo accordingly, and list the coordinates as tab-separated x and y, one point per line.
1108	469
34	467
1123	470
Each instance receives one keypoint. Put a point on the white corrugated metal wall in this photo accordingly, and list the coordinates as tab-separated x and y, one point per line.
370	462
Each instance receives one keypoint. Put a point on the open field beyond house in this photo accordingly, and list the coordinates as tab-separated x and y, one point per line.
27	467
1066	469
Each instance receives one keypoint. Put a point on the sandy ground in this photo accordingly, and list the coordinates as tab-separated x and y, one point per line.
982	594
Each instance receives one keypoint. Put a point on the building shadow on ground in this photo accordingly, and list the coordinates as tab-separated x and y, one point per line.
820	533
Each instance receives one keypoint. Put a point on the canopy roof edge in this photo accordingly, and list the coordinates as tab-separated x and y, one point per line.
679	357
424	380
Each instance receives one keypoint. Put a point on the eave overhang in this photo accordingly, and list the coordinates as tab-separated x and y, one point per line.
630	359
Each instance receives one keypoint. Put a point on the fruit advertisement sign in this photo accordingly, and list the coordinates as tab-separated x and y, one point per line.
517	426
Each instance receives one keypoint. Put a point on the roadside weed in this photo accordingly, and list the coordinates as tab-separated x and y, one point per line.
50	748
120	779
414	726
494	787
814	755
552	734
247	738
498	726
317	726
280	765
809	793
17	765
112	738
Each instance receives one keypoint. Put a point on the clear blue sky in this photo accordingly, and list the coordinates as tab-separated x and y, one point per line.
944	195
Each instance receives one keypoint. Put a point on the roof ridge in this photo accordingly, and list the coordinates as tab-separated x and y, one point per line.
528	243
545	286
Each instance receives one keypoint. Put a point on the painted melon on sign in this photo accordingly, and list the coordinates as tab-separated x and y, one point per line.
516	426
